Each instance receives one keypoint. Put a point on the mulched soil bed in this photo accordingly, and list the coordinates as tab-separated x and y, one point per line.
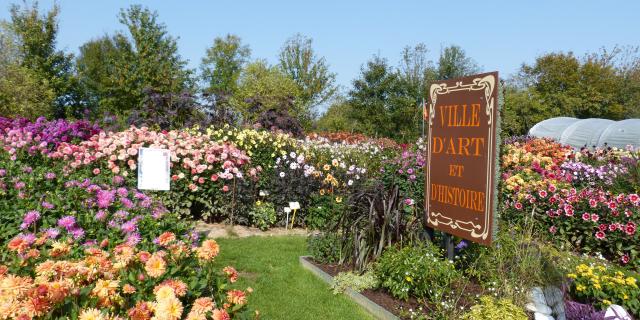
379	296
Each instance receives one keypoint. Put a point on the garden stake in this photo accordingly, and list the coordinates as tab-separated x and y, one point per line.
293	218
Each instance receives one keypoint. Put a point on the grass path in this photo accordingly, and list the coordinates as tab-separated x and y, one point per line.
282	288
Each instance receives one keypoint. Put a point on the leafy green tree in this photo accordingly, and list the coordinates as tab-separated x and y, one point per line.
336	118
95	68
117	72
521	110
223	63
381	103
22	92
604	84
416	70
311	73
261	88
36	34
454	63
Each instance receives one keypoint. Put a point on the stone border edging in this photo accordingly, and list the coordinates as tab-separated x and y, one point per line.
374	309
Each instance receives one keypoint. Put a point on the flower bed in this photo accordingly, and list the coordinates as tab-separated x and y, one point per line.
582	199
71	186
79	241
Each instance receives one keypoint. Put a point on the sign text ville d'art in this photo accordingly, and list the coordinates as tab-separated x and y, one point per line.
460	178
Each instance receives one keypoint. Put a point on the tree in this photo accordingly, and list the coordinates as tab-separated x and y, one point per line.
381	103
336	118
22	92
310	72
454	63
592	87
36	35
521	110
604	84
261	88
223	63
117	72
96	72
416	70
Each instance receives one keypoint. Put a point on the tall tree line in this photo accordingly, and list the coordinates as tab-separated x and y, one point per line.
136	76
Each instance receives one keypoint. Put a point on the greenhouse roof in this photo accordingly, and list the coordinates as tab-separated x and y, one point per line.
579	133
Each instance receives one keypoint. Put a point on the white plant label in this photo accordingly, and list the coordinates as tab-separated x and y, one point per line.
153	169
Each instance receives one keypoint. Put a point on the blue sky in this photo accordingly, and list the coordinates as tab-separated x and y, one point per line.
499	35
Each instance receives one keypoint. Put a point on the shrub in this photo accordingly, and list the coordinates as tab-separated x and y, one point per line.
324	210
279	120
353	281
514	263
324	247
263	215
419	271
490	309
602	285
42	197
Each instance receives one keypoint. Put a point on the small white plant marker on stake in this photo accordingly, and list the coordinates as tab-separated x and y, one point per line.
287	210
294	206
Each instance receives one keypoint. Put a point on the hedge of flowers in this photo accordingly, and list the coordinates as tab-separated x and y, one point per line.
79	241
42	278
201	168
585	199
69	187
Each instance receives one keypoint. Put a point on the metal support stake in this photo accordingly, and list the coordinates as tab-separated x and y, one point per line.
448	245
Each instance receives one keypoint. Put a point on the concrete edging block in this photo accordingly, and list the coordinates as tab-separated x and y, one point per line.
374	309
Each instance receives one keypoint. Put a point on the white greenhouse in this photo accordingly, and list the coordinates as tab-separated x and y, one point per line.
589	132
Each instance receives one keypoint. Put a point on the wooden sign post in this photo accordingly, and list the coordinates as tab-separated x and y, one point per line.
460	178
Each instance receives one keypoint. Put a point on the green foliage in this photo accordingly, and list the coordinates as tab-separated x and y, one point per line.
336	118
521	111
604	84
417	71
40	64
23	94
223	63
323	211
115	71
353	281
602	285
454	63
97	75
263	215
263	87
324	247
381	105
513	264
490	309
299	61
402	271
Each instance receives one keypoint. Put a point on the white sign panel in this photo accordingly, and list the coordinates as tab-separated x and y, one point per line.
153	169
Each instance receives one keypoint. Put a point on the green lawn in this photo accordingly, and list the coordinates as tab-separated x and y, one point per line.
282	288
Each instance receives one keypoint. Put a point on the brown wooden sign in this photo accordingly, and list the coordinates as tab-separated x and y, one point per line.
461	158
